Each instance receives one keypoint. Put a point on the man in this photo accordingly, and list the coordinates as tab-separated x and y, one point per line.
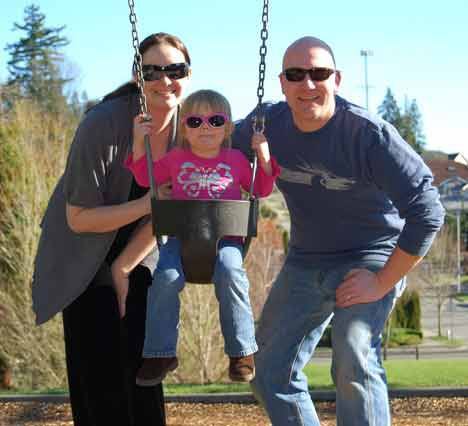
363	213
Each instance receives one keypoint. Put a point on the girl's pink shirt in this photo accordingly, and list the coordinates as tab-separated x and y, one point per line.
195	177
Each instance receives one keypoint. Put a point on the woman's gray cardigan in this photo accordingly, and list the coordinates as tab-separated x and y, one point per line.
94	176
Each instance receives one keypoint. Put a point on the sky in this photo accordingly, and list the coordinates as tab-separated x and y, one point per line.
419	49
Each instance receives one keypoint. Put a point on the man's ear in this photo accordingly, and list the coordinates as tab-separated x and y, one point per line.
282	82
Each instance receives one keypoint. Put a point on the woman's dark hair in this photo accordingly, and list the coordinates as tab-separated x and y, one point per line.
150	41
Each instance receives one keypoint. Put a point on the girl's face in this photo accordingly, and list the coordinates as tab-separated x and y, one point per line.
165	93
206	140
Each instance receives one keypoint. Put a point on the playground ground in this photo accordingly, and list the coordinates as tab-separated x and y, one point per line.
406	412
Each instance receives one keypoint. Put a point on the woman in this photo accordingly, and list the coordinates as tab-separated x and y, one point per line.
91	215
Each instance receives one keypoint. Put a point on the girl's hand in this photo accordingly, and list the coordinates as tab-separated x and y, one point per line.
260	145
141	127
165	191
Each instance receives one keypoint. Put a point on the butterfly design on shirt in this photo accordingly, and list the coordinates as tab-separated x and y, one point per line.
213	180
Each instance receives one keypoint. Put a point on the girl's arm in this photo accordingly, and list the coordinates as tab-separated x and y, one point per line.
260	145
141	127
267	172
139	246
161	168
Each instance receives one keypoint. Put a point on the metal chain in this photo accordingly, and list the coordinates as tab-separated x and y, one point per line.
137	62
137	66
259	120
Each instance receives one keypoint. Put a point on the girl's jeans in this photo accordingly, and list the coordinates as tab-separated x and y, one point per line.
299	307
231	289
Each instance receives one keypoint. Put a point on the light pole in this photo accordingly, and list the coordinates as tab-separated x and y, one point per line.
453	192
365	53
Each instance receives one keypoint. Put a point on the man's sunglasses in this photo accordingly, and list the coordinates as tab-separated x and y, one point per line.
315	74
172	71
218	119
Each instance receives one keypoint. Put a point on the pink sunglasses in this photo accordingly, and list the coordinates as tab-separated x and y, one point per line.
217	119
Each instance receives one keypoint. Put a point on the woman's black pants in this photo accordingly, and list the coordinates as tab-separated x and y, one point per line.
103	354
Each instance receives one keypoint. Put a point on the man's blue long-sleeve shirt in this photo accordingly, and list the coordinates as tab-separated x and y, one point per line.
354	188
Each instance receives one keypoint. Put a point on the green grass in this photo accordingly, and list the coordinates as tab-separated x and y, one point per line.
400	374
211	388
427	373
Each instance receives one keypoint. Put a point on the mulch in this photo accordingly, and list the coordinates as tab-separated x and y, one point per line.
406	412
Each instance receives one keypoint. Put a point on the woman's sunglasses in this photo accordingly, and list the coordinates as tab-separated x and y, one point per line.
315	74
172	71
218	119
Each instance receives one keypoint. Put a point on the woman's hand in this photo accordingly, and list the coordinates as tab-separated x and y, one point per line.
260	145
142	125
146	200
120	283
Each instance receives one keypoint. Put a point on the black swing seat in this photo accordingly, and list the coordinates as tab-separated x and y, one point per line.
199	225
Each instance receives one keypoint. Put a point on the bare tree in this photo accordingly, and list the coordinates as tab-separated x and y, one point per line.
437	271
263	262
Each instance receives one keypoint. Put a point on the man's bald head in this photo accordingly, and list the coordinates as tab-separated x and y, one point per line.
304	43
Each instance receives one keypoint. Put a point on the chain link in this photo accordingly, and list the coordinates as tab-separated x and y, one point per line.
259	119
137	62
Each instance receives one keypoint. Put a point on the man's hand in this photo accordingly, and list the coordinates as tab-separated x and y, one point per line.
359	286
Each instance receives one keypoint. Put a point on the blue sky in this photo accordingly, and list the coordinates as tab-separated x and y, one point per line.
419	49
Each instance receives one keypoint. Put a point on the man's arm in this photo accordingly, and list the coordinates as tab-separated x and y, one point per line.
399	172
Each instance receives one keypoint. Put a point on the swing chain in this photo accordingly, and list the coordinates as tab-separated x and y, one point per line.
137	62
259	119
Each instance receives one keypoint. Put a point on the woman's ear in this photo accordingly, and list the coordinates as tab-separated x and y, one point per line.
229	128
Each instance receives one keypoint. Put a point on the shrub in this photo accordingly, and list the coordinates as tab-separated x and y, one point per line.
32	155
407	311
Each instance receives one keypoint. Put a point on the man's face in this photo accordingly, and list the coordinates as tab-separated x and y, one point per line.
312	102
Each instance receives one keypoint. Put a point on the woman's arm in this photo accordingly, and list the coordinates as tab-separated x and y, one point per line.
107	218
140	245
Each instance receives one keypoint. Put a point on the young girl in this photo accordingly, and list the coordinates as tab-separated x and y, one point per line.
203	166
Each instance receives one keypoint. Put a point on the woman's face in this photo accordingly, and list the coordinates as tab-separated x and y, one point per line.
165	93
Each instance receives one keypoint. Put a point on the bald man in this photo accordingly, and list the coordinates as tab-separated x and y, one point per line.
363	213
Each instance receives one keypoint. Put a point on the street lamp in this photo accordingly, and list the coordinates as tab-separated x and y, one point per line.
453	194
365	53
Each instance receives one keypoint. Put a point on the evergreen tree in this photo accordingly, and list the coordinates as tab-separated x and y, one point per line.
411	127
34	66
408	123
389	109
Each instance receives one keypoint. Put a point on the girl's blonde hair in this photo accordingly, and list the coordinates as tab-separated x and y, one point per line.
193	103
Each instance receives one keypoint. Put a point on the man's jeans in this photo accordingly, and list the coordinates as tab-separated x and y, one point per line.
231	289
299	307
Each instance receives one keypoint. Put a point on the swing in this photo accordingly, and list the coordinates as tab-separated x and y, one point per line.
200	224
